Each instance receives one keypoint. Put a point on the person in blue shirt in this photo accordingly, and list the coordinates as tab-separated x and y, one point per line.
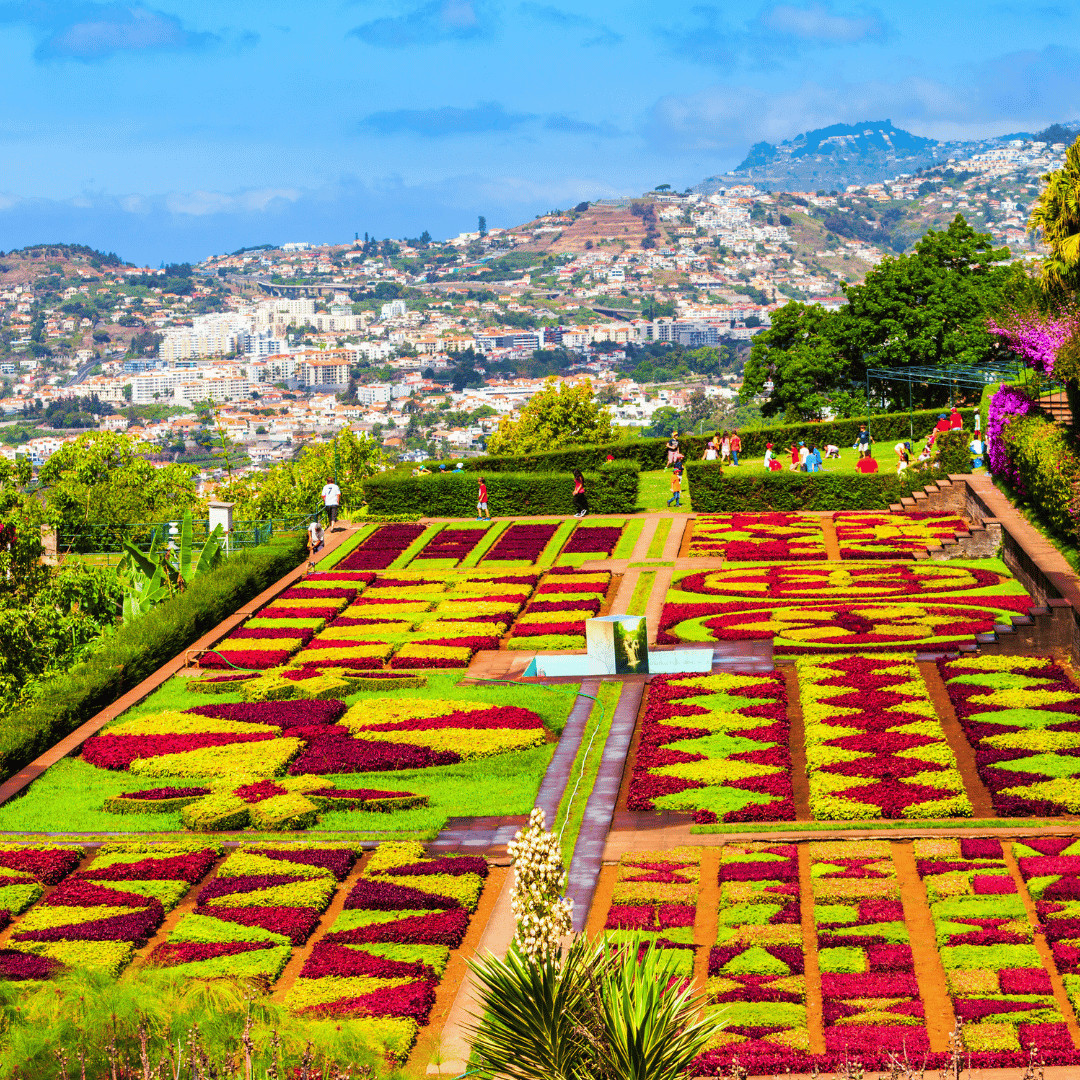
977	449
813	461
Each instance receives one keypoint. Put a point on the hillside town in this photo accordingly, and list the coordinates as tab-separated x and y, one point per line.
268	347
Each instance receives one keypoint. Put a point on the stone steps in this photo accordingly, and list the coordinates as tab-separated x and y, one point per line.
1042	629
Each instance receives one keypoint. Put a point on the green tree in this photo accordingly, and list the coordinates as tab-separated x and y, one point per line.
293	487
1056	214
102	478
560	415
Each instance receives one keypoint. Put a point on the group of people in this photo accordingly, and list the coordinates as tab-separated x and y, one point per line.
724	447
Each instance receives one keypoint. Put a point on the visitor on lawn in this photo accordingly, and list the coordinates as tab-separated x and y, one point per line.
481	501
736	446
770	458
803	455
942	422
673	455
832	451
862	441
977	450
676	486
794	466
903	458
331	497
710	450
956	421
813	459
581	500
725	447
866	463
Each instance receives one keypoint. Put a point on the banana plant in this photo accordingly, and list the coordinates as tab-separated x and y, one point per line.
147	578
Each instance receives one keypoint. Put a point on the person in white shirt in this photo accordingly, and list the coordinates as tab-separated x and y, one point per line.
315	541
331	497
803	455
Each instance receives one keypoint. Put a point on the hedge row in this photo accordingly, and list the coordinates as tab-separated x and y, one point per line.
140	648
652	453
1046	456
715	491
611	489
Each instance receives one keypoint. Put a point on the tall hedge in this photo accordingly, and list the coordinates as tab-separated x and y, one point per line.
611	489
652	453
718	491
1046	456
138	649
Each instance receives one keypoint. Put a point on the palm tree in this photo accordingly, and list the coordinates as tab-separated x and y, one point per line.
1057	214
596	1013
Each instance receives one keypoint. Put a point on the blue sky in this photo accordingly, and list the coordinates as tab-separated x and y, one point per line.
179	131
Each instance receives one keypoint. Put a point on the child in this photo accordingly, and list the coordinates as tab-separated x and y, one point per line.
676	486
481	502
725	447
736	446
832	451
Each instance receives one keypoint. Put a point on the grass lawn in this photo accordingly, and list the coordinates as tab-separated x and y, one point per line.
69	796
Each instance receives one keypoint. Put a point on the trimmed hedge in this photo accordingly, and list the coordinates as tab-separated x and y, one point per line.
1046	457
717	492
652	453
612	489
137	650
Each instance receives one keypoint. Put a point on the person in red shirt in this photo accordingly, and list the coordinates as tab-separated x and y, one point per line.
943	423
866	464
481	502
794	467
581	500
956	421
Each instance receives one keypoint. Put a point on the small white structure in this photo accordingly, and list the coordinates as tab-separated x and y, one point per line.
620	643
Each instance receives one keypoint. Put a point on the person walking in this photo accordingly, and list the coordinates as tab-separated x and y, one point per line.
331	497
676	486
581	501
736	446
481	501
673	454
725	448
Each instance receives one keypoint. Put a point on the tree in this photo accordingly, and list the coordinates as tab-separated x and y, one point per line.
481	225
560	415
799	357
1057	214
127	391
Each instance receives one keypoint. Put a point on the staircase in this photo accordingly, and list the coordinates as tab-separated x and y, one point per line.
1056	406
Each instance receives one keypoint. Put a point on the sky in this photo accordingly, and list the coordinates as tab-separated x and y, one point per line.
175	132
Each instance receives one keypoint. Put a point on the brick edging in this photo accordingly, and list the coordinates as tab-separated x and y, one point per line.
18	783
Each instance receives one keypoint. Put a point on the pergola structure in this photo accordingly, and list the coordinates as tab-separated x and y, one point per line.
952	376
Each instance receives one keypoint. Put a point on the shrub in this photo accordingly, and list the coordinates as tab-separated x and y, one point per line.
216	813
284	812
719	492
1046	459
652	453
612	489
138	649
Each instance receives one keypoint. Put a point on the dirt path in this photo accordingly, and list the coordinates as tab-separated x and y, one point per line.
707	917
934	991
832	541
800	780
815	1023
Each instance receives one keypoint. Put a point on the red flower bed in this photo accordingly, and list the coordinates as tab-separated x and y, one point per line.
331	958
347	755
543	629
413	1001
190	867
439	928
244	883
260	792
370	895
303	592
524	542
242	658
172	954
596	538
381	548
449	544
273	612
283	714
561	586
136	926
502	716
153	794
16	966
338	575
305	634
119	751
454	865
295	923
46	865
473	643
592	606
339	861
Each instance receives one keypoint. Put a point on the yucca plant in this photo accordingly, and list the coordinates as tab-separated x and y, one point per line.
595	1013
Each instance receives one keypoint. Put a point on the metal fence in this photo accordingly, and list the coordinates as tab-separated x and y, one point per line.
95	538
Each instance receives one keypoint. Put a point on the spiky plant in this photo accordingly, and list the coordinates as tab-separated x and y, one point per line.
1057	214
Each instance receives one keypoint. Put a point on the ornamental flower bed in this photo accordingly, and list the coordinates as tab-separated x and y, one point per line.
24	875
1050	866
655	898
874	745
998	984
521	543
386	952
951	581
562	603
893	536
754	537
97	917
715	746
870	995
262	902
1022	716
381	548
451	544
593	539
756	977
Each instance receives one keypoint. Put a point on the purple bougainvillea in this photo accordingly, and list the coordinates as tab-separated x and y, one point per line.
1035	340
1007	404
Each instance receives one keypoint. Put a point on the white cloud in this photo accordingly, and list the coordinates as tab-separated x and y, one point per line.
817	23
